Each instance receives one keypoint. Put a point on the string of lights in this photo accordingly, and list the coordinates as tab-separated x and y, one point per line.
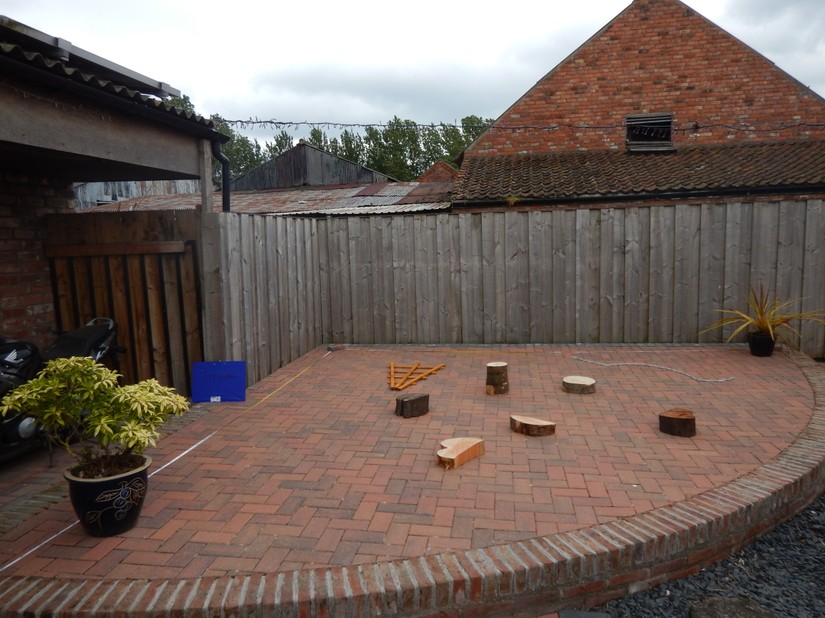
692	127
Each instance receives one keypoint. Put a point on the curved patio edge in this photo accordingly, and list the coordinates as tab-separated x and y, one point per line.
576	569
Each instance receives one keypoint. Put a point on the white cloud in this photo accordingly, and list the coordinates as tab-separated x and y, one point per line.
369	60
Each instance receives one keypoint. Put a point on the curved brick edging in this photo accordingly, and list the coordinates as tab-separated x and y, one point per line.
579	568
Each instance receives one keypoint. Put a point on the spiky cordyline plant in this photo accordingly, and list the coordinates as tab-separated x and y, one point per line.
765	315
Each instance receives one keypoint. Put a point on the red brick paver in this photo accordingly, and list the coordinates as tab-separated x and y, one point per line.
314	471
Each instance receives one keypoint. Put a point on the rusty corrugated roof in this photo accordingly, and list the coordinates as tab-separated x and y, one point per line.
725	168
375	198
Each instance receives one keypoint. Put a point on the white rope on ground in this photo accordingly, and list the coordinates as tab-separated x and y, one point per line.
679	371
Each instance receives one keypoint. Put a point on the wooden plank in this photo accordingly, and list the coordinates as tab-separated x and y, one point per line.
790	258
260	319
232	273
539	276
588	236
712	267
813	278
448	271
426	278
516	272
209	253
174	326
565	280
686	256
611	275
82	291
324	280
114	249
405	292
141	336
122	315
156	315
738	225
471	278
192	303
765	239
493	298
661	274
360	276
636	274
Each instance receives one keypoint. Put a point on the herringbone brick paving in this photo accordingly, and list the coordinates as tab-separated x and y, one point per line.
315	470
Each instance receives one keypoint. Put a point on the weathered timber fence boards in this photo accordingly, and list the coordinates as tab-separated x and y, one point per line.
599	275
140	270
276	287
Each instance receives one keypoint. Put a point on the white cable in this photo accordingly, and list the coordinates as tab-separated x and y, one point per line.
679	371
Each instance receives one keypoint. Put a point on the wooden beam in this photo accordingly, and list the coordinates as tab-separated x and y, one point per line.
141	248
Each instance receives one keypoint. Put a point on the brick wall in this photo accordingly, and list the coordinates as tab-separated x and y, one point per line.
657	56
26	307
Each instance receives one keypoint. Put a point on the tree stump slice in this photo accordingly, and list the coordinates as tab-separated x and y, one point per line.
530	426
414	405
497	379
678	422
458	451
579	384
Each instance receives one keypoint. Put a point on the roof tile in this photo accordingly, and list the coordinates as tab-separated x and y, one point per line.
612	173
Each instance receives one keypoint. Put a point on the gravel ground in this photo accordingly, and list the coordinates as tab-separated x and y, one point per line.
783	572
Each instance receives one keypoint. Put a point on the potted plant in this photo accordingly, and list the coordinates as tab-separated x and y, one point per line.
79	404
764	320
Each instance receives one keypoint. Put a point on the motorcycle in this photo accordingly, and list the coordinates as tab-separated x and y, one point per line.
20	361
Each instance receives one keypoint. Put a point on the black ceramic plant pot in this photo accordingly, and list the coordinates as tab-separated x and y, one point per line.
110	505
761	344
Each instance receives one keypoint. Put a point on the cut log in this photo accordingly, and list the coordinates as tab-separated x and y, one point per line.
579	384
497	379
678	422
530	426
457	451
414	405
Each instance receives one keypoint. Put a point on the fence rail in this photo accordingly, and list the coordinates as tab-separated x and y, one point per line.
594	275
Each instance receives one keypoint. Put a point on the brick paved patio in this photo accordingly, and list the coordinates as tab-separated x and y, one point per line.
313	497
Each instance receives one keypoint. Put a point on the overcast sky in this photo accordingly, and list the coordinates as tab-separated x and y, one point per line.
365	61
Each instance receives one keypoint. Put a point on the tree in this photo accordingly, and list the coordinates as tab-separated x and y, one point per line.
401	149
243	153
282	142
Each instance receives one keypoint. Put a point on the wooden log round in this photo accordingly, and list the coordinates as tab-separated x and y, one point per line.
579	384
678	422
530	426
497	379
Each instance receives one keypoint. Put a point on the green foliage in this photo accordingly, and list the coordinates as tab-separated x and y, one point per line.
401	149
764	314
78	398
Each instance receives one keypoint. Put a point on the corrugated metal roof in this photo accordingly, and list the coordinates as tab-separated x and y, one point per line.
376	198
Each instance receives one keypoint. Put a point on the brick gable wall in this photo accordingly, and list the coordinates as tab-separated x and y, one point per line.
656	56
26	305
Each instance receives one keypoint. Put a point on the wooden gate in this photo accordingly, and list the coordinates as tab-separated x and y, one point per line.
141	270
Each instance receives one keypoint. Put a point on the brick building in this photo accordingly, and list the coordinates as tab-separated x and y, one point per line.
640	109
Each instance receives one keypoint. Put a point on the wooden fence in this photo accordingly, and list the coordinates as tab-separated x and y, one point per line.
141	269
276	287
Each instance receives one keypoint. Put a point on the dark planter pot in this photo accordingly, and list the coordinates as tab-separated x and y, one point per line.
761	344
110	505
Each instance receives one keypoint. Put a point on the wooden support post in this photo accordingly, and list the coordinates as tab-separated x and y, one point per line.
497	379
678	422
414	405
